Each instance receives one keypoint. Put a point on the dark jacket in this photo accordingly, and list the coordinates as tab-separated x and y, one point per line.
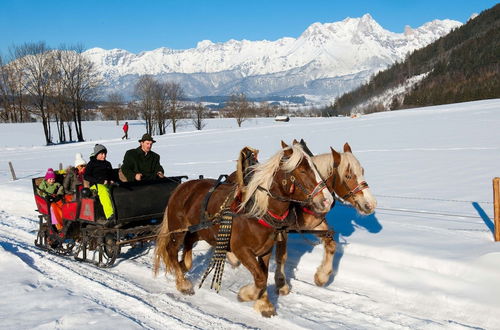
136	161
97	171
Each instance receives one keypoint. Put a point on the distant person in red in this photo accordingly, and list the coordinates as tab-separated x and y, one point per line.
125	130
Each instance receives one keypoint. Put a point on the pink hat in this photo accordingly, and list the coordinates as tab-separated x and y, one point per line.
50	174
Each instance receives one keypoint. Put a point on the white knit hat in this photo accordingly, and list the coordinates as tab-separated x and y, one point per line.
79	160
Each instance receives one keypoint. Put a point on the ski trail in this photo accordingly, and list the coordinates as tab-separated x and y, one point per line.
130	290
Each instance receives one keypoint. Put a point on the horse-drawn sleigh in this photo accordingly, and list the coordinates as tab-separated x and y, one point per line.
244	217
86	234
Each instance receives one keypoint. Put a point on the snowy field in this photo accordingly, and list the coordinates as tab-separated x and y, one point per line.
426	259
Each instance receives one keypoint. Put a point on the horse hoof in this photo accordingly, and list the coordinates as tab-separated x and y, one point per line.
187	292
185	288
284	290
241	299
233	260
268	313
321	279
248	293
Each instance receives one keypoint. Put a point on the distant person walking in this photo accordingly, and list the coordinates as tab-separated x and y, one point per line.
125	131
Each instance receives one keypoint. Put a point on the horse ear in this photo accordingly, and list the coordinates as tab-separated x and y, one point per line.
256	154
295	141
283	145
336	158
347	148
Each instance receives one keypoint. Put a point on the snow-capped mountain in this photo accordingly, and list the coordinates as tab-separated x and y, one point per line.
326	60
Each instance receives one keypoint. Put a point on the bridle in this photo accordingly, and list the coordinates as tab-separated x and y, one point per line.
351	192
360	187
294	182
309	199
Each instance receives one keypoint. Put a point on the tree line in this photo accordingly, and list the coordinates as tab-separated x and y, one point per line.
164	104
48	84
59	87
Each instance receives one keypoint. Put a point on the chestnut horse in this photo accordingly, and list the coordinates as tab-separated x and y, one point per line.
268	194
344	177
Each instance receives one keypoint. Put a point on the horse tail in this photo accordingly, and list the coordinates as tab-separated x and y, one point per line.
162	241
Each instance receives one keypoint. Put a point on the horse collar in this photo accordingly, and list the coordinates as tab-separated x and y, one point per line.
271	220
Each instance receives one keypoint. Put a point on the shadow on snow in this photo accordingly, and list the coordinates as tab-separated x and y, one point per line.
344	220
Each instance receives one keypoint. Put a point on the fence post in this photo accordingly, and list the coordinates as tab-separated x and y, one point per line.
496	201
12	172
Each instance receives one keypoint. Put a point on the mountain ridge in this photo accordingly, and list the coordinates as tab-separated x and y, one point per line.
314	63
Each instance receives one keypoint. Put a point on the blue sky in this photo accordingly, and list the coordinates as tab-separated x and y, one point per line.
145	25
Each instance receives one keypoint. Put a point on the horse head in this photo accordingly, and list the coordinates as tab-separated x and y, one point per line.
344	176
288	176
303	182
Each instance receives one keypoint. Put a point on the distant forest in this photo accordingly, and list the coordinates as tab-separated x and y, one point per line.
462	66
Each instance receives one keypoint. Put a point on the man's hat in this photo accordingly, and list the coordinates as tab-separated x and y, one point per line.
147	137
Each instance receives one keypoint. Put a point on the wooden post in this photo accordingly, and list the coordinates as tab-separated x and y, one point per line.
12	172
496	201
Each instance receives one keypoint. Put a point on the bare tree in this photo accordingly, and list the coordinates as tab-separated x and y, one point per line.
80	80
58	105
144	91
175	112
133	110
198	115
36	61
114	109
264	109
238	107
160	105
17	90
6	94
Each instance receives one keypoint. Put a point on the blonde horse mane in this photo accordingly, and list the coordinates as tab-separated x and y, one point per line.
263	175
325	166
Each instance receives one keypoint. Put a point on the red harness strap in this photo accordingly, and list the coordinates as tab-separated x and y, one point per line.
277	217
306	210
264	223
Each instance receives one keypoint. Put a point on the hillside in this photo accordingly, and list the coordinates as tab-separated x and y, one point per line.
461	66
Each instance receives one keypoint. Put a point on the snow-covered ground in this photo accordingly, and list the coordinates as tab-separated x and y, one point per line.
425	259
